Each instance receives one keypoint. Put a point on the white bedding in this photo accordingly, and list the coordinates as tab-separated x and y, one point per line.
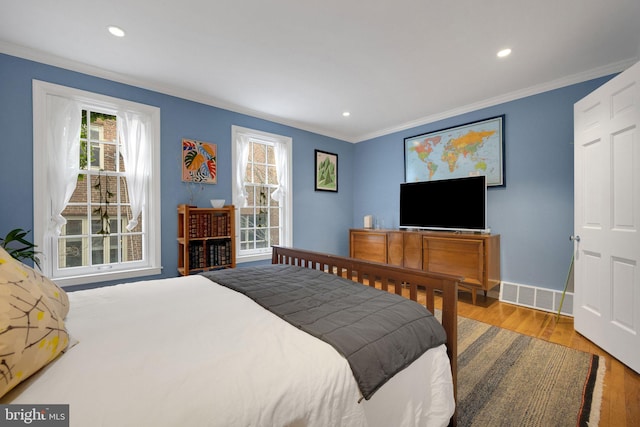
187	352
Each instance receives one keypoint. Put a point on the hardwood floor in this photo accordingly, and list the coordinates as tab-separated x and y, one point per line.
621	396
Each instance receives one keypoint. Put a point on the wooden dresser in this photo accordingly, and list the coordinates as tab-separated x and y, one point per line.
476	257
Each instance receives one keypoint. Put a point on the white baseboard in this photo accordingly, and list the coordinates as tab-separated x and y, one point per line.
538	298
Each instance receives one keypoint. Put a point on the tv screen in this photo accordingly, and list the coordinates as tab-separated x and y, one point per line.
451	204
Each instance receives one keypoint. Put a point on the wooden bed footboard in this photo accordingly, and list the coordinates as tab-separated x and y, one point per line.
388	276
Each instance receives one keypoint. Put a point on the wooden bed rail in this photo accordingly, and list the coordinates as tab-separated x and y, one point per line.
367	272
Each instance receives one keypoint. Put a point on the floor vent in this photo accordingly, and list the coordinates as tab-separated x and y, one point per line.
538	298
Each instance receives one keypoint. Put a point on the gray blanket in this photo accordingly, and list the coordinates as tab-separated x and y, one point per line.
379	333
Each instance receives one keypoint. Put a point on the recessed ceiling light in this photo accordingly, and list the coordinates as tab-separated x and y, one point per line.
346	114
504	52
116	31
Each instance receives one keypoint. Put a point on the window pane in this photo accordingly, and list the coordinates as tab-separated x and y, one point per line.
131	247
75	215
104	125
103	219
121	167
262	196
248	243
259	173
273	202
96	156
113	249
259	153
110	154
273	175
96	223
247	173
126	217
113	224
97	249
249	219
83	126
80	193
275	236
97	188
261	238
274	217
84	154
271	157
124	191
251	153
104	188
73	227
244	217
250	195
261	219
71	252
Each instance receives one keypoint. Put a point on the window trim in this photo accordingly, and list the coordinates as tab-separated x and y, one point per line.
41	206
287	214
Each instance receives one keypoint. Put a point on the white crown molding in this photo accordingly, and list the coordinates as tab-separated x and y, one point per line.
511	96
67	64
53	60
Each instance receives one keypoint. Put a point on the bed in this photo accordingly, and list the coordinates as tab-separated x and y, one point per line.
190	351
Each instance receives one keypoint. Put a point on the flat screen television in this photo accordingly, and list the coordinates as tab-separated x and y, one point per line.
458	204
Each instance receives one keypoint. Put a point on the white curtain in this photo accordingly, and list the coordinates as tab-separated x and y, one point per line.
280	152
136	154
242	146
62	150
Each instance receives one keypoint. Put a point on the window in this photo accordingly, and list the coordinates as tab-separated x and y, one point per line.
262	192
96	190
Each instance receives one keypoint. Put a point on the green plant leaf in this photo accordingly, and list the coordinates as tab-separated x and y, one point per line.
26	251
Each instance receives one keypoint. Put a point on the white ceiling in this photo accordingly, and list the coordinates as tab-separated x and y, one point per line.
393	64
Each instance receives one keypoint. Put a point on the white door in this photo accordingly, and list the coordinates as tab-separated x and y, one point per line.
607	217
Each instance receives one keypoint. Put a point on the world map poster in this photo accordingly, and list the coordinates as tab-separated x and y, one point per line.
468	150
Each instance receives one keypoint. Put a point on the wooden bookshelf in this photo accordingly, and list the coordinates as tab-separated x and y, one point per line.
206	239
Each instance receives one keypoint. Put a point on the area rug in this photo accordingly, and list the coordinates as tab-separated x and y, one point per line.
509	379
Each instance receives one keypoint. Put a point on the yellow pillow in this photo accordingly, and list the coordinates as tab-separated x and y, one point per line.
32	331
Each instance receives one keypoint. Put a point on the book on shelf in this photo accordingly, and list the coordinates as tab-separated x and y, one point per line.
208	225
219	252
210	254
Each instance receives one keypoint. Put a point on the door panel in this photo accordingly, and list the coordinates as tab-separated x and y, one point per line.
592	267
622	271
622	158
593	154
607	214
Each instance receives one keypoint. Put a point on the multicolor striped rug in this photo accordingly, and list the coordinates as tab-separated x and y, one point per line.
509	379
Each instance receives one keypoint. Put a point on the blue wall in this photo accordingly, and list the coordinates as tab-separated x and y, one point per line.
533	213
320	218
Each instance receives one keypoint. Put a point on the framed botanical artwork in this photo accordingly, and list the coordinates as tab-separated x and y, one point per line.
467	150
326	173
199	162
